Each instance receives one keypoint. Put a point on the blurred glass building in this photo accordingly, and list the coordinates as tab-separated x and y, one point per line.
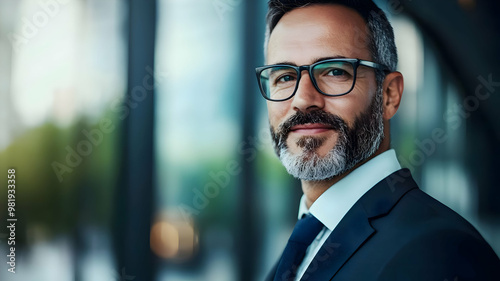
142	148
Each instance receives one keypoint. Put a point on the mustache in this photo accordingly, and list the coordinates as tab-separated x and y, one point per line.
316	116
280	135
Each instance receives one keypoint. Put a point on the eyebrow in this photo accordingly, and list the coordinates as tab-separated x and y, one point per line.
314	60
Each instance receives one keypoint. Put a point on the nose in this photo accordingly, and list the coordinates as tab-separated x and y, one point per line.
307	98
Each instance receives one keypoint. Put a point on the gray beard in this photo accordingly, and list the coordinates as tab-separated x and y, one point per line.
353	146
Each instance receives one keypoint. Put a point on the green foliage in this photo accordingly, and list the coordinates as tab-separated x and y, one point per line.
46	206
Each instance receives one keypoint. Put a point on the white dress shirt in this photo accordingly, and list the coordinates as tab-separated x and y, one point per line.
336	201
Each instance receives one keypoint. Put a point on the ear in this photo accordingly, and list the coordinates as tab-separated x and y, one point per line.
392	91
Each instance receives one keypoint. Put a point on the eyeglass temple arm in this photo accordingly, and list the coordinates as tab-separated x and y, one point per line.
374	65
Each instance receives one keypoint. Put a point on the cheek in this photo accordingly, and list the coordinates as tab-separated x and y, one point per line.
277	112
350	106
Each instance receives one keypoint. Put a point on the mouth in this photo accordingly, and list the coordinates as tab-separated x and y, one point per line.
310	128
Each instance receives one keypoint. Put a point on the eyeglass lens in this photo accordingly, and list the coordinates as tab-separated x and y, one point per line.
331	78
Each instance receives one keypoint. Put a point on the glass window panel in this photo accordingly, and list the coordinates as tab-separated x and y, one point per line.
63	65
198	130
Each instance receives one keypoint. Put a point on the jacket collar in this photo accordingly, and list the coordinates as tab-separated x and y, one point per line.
355	228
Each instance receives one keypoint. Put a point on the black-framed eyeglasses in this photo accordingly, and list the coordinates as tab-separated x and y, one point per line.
331	77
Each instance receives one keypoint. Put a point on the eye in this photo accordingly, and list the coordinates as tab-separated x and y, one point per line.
282	76
285	78
336	72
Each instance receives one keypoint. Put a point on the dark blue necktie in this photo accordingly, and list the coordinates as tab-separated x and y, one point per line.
304	232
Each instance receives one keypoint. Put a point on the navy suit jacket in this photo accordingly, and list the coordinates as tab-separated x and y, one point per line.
397	232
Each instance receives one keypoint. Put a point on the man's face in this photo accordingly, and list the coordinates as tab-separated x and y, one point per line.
319	137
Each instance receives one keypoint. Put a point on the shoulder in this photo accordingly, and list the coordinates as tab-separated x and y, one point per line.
443	255
434	242
397	204
434	215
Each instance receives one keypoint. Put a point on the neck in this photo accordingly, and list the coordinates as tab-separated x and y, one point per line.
313	189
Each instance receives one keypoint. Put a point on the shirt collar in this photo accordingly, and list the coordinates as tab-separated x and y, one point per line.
336	201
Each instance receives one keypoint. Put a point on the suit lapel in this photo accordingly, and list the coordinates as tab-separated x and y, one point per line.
346	238
355	228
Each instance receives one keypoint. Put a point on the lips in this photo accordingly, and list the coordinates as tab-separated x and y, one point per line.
311	128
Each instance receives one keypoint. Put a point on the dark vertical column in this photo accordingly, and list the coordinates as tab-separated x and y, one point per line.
134	204
249	231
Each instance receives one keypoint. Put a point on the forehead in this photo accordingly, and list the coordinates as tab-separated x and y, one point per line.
306	34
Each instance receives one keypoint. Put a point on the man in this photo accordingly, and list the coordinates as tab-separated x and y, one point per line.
331	87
